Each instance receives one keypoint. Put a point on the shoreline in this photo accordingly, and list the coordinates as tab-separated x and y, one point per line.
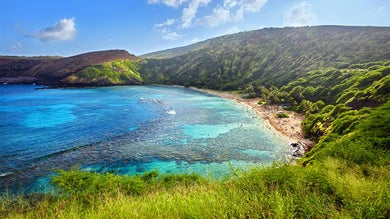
288	128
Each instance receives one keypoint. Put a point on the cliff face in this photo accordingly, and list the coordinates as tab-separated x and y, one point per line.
53	70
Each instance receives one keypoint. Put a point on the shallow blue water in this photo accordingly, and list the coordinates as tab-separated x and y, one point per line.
126	130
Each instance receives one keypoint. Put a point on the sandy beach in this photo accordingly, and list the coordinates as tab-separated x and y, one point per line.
289	128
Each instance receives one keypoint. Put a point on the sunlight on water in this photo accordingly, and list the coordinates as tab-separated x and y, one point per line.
126	130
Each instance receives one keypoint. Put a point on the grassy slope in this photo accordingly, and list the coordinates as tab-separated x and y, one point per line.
268	56
109	73
326	94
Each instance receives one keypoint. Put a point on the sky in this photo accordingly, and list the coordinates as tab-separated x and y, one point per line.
71	27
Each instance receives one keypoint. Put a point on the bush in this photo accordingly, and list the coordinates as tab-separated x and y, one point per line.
82	183
282	115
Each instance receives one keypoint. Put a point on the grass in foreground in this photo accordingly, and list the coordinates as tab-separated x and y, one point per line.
334	189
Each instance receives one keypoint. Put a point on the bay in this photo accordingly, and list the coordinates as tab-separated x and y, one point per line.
126	130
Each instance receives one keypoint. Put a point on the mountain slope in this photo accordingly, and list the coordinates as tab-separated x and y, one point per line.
56	71
268	56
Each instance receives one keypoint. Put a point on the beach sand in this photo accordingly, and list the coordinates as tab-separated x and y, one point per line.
290	128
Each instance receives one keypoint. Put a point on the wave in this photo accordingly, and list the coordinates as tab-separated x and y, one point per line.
5	174
172	112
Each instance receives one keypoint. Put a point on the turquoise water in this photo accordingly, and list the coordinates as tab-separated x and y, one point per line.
126	130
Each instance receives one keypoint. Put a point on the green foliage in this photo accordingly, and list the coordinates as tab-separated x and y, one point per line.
248	92
351	87
109	73
305	106
318	123
355	87
331	188
282	115
360	137
86	184
76	182
274	56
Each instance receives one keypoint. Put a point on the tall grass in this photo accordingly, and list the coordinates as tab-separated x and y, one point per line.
334	189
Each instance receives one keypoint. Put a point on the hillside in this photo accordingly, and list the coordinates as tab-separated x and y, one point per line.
58	71
270	56
267	56
170	53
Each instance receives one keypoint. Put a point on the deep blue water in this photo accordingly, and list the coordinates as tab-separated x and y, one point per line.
126	130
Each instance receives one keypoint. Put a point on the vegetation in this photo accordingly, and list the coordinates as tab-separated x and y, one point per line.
282	115
271	56
108	73
338	92
325	94
337	76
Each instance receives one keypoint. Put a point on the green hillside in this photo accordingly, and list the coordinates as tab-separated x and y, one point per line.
268	56
118	72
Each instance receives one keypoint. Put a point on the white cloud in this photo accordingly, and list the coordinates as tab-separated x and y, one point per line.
172	36
189	12
168	22
225	11
219	16
230	3
169	3
299	15
167	34
252	5
248	6
239	14
232	10
63	30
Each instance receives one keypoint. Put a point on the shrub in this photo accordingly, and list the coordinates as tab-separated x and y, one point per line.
282	115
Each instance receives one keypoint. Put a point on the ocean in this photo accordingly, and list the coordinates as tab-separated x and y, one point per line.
126	130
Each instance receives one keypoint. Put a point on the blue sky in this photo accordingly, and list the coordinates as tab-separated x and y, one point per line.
70	27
